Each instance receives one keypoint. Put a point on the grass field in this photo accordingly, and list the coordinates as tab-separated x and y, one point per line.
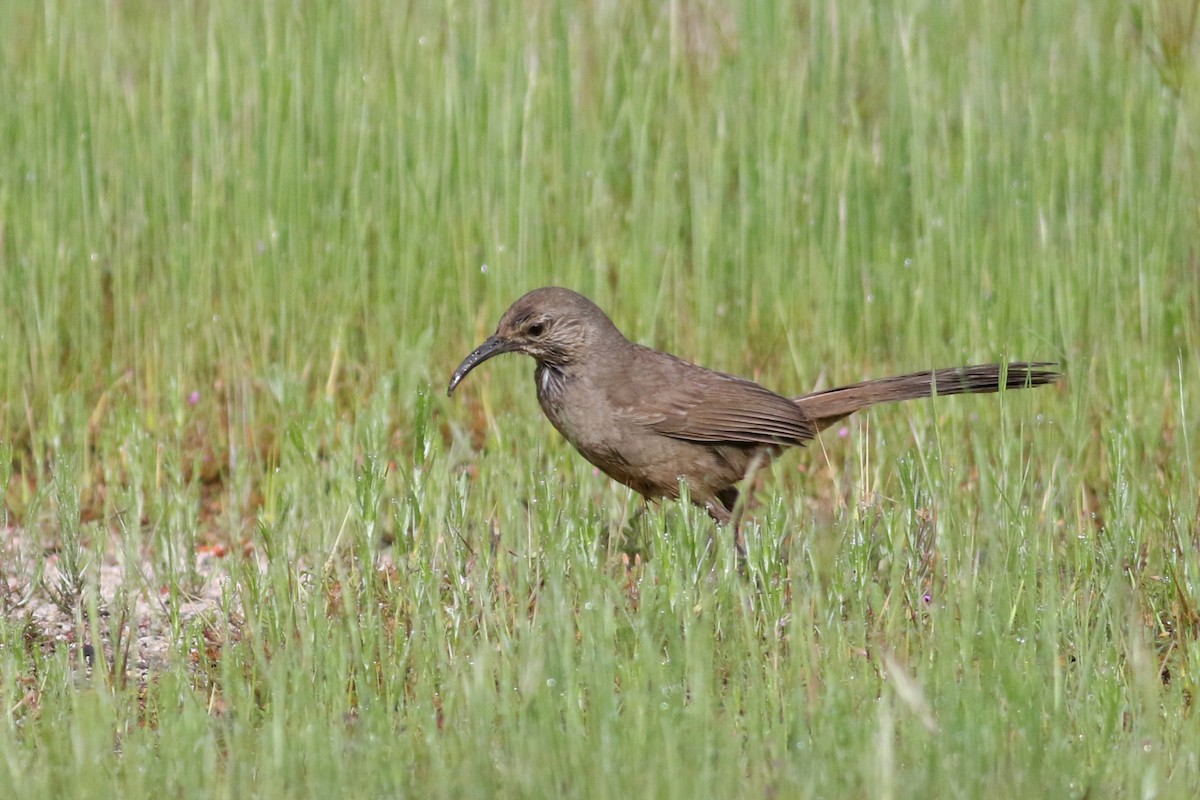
251	549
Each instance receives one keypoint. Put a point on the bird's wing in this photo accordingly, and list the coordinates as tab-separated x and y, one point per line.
698	405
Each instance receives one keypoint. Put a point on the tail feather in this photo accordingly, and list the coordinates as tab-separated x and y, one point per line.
829	406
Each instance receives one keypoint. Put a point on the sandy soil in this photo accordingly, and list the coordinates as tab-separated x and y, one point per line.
132	615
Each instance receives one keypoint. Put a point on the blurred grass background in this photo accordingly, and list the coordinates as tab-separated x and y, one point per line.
242	246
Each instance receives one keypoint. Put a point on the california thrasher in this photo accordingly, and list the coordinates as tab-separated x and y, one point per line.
650	420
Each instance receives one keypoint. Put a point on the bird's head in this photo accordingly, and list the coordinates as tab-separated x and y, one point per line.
555	326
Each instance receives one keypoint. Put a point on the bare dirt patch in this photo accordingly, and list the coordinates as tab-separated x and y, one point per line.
121	611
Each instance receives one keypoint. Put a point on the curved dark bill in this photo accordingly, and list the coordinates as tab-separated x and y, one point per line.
492	346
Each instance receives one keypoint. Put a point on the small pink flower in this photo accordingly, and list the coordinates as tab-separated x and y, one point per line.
194	398
843	432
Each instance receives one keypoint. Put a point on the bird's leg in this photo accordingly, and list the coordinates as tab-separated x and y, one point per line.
633	539
725	509
740	553
738	502
718	510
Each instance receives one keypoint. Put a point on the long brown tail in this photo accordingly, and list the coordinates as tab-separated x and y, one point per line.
827	407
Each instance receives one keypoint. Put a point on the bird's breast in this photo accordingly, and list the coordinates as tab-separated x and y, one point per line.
574	407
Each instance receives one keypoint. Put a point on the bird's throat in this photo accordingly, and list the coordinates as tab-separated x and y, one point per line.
550	382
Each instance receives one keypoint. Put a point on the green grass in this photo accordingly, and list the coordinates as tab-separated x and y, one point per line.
243	245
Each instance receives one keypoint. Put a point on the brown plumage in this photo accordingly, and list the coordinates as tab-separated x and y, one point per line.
650	420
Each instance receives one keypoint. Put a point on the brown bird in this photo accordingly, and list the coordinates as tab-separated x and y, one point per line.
651	421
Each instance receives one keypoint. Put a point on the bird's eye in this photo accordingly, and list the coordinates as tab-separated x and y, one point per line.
537	329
